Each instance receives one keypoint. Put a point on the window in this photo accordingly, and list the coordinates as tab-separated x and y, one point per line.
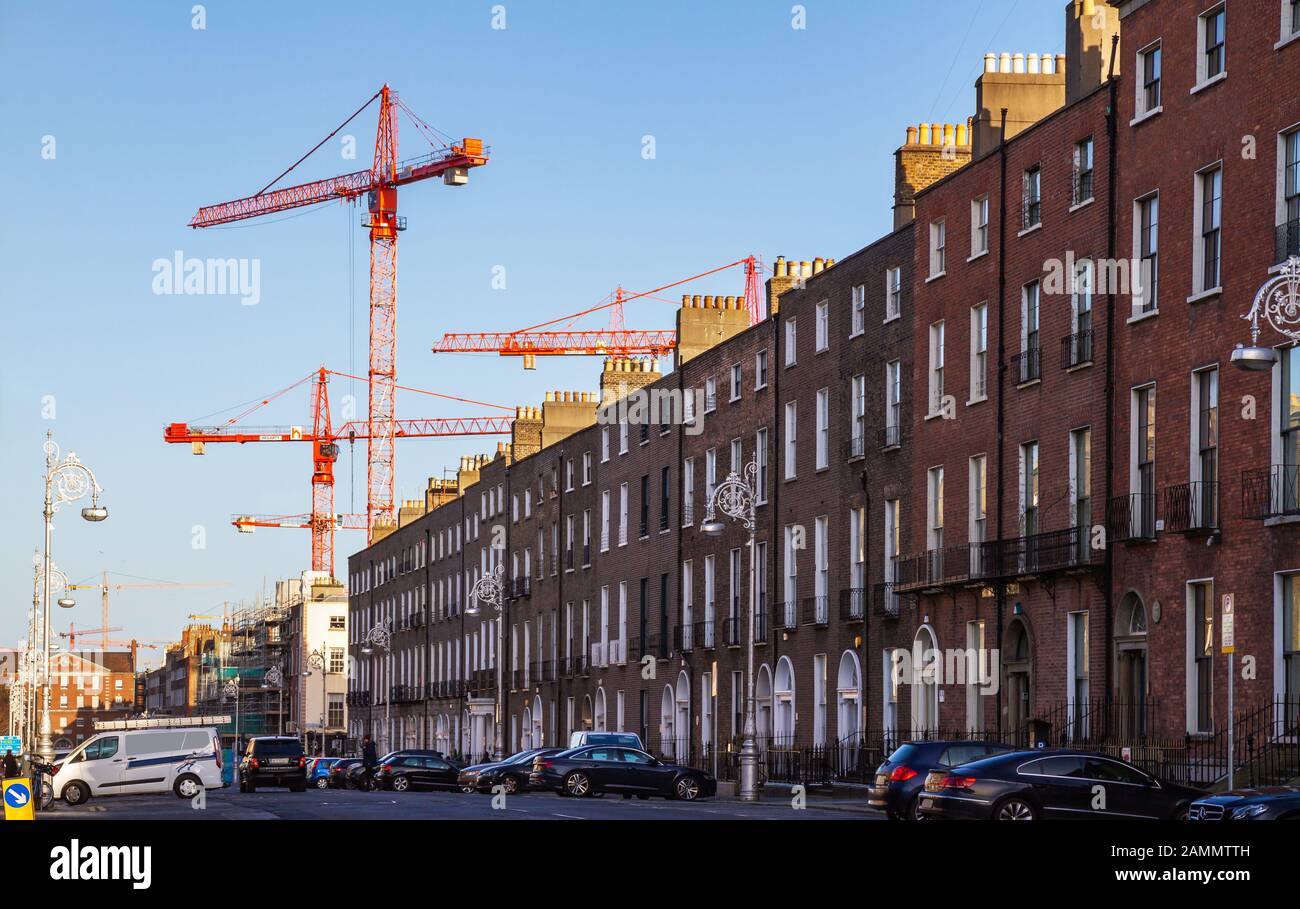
335	719
934	510
1079	344
1200	615
1291	642
893	403
1208	215
823	326
735	382
622	514
1081	491
979	510
760	369
791	335
857	416
1143	476
688	492
604	521
1032	197
938	248
1213	51
1078	671
936	369
979	226
791	574
710	472
979	352
1286	495
823	427
1083	171
760	458
791	438
859	310
1146	240
857	554
1289	232
604	445
893	293
710	394
1290	18
586	468
1029	347
893	540
1029	489
1148	87
664	489
1202	500
336	660
975	683
737	457
622	438
644	524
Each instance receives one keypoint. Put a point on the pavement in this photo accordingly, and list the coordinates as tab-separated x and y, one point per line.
351	805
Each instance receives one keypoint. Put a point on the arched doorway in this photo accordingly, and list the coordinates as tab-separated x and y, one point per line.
1131	682
586	713
925	681
783	705
848	695
539	739
600	709
682	719
526	734
762	707
667	713
1017	669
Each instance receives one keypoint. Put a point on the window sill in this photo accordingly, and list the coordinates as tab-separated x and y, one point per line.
1029	230
857	334
1281	520
1213	80
760	387
936	277
934	415
977	255
1147	115
1289	39
1080	205
894	318
980	400
1142	317
733	400
1030	384
1204	295
1078	366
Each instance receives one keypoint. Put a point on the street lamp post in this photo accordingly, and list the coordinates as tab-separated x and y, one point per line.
66	481
31	665
491	588
231	690
734	497
274	678
316	660
379	636
1277	302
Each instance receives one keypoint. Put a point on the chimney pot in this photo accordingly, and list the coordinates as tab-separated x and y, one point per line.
925	133
1032	64
990	63
1004	62
949	137
936	133
911	135
1018	63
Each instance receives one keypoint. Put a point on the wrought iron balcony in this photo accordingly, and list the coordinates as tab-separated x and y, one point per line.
855	446
705	635
816	611
1287	241
1027	366
520	587
1131	518
733	631
891	436
1192	507
760	623
1270	492
853	604
1076	349
785	616
1039	553
885	600
684	638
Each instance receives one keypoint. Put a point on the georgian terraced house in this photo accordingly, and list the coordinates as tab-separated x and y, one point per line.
997	491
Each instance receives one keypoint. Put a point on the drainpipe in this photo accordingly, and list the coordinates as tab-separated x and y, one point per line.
428	625
1002	281
1112	189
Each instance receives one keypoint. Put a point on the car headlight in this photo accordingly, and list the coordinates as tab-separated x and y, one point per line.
1248	811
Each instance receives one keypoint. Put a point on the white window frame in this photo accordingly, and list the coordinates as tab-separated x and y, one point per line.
760	369
858	308
1199	290
938	248
1203	77
979	227
822	325
1141	110
936	371
893	293
791	340
979	353
791	439
823	428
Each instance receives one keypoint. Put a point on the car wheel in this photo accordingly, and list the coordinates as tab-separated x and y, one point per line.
468	789
512	785
187	786
76	792
322	783
687	788
251	786
577	784
1014	809
914	812
1180	813
401	784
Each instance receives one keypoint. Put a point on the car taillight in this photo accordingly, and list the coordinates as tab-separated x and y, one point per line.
252	762
55	769
387	768
548	765
302	762
958	782
901	774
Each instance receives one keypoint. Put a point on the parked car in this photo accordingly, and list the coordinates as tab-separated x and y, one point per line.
338	773
184	761
513	773
598	769
588	737
273	760
407	770
318	771
1270	803
899	780
1057	783
358	778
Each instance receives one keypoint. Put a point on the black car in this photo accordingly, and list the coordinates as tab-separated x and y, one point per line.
513	773
357	776
338	775
1058	783
597	769
898	782
413	770
273	760
1271	803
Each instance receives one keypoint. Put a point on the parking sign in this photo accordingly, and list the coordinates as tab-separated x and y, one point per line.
1226	643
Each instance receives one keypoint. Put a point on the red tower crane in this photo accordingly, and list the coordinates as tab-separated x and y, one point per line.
449	160
614	341
324	439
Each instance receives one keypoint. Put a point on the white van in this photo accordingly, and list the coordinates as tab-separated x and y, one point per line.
184	761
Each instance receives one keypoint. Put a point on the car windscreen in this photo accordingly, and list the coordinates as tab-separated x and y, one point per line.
904	754
277	748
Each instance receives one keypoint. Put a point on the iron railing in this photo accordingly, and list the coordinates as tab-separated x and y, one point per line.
816	611
1076	349
1270	492
855	446
891	436
733	631
853	603
1131	517
785	616
1027	365
885	600
684	638
1191	507
1286	241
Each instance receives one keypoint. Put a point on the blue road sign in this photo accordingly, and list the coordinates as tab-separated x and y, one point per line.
17	795
11	743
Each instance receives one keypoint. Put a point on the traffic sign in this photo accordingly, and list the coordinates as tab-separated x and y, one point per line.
1226	640
18	800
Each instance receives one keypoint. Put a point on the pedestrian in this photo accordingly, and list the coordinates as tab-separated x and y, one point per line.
369	758
11	764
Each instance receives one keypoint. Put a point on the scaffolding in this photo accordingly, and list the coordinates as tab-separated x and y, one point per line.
255	641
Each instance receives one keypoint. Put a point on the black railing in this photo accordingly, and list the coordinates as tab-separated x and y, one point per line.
568	559
885	600
546	671
688	512
853	604
891	436
684	638
705	635
1027	365
654	645
1270	492
521	587
785	616
586	555
733	631
1076	349
816	611
358	699
1287	241
760	624
1055	550
1131	517
1192	507
855	446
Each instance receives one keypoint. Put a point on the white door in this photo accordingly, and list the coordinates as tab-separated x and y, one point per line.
103	763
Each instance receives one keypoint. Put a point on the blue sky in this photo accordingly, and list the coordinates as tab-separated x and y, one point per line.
768	139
